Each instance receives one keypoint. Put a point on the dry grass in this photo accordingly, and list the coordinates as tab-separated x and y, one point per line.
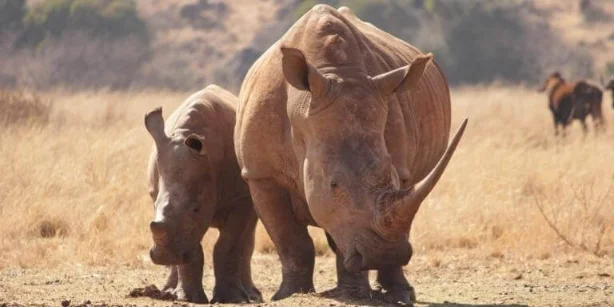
74	189
23	108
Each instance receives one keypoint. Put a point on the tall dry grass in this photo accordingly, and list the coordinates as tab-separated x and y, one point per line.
73	187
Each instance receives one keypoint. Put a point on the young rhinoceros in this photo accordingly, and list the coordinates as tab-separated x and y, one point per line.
195	182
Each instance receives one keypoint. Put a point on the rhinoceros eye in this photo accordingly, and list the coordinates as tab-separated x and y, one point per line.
196	210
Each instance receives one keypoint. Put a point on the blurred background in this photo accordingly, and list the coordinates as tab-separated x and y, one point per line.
183	45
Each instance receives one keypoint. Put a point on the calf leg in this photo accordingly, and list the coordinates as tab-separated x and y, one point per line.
233	249
190	275
290	236
349	281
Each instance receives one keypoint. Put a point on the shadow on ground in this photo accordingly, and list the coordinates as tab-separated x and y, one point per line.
377	298
353	298
452	304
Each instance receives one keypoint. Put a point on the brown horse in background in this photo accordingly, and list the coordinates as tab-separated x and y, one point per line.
573	100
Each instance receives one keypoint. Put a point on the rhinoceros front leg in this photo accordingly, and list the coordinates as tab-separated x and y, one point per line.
232	257
291	239
189	285
350	283
395	286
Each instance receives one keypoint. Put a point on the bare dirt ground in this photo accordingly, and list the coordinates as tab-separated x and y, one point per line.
453	279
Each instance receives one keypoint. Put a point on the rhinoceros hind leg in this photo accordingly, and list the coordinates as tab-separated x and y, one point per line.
348	282
290	236
395	287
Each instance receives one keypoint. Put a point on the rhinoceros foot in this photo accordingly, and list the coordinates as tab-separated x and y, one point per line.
403	295
192	295
229	294
350	292
254	295
235	294
288	288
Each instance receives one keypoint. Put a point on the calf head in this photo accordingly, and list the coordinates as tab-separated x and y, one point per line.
553	80
186	198
352	189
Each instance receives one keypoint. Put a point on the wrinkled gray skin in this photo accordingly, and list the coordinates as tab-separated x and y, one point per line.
195	182
344	127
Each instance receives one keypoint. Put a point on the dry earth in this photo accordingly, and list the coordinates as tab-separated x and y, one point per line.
455	279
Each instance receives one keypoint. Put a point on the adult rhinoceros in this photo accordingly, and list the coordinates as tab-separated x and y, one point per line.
343	126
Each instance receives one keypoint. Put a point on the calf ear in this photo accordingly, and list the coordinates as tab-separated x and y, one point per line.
154	122
300	74
197	143
403	78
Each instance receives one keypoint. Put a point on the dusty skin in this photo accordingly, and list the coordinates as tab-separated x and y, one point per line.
455	279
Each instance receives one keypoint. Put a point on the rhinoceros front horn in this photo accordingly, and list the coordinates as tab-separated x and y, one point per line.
398	208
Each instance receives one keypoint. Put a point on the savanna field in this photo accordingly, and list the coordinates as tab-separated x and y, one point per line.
519	218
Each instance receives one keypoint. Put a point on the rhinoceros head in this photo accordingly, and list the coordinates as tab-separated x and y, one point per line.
187	193
352	189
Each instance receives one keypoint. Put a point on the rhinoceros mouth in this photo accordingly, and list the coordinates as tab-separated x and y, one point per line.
164	256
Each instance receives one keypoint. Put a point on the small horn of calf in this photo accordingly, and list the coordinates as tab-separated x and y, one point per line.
399	207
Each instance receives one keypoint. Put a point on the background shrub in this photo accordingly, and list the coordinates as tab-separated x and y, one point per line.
11	14
106	19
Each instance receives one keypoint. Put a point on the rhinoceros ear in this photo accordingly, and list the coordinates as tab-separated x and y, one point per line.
403	78
300	74
197	143
154	122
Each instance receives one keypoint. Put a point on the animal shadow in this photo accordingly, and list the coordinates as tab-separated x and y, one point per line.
453	304
356	298
377	298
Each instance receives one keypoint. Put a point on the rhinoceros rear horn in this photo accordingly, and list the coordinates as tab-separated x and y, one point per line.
403	78
154	122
